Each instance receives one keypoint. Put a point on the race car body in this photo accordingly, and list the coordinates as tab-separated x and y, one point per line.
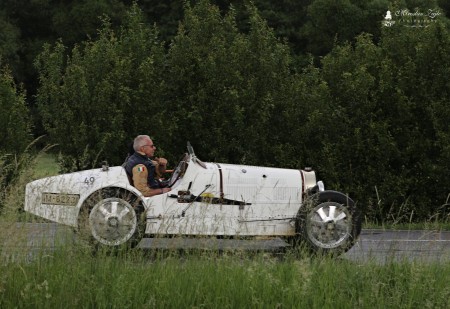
211	199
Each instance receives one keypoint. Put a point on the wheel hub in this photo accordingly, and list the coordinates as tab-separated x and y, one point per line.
329	225
112	221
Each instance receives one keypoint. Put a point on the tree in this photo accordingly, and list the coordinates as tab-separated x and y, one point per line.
88	102
15	130
360	141
391	130
372	118
331	22
226	84
413	88
9	40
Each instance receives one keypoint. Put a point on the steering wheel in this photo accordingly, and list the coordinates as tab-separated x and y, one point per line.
179	170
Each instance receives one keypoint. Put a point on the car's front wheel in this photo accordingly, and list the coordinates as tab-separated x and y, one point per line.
329	223
112	218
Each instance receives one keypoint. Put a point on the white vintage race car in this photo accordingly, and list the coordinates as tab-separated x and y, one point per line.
207	199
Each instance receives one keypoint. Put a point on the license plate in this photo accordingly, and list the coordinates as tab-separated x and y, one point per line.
60	199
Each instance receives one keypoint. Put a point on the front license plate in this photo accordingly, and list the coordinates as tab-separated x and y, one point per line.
60	199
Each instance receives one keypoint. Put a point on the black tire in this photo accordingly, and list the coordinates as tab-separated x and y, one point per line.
112	218
328	223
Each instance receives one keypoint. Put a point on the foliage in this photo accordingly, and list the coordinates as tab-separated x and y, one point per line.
9	44
30	24
392	133
15	126
118	86
371	115
225	85
413	90
27	25
15	130
74	279
331	21
95	91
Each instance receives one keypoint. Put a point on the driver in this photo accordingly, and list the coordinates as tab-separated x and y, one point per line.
144	171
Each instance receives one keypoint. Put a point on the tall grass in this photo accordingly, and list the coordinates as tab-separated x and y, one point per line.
70	276
46	165
403	217
75	279
16	170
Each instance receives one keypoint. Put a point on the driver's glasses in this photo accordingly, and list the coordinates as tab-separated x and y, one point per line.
153	146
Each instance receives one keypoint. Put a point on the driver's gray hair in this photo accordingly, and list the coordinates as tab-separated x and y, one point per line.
140	141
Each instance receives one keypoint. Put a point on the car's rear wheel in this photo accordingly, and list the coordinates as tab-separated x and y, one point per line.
113	218
329	223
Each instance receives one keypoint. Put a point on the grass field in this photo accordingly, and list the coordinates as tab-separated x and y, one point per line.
75	279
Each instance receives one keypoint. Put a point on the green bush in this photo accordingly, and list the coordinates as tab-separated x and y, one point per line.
15	131
389	135
372	118
88	101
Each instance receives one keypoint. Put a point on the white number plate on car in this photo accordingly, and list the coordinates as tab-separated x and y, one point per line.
60	199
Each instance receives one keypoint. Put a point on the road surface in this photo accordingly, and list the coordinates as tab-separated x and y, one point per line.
25	240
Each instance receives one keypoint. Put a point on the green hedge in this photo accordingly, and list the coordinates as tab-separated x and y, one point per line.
371	118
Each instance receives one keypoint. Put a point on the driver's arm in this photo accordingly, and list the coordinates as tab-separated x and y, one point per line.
140	174
160	166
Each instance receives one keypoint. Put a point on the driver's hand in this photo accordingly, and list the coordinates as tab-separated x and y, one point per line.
161	161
